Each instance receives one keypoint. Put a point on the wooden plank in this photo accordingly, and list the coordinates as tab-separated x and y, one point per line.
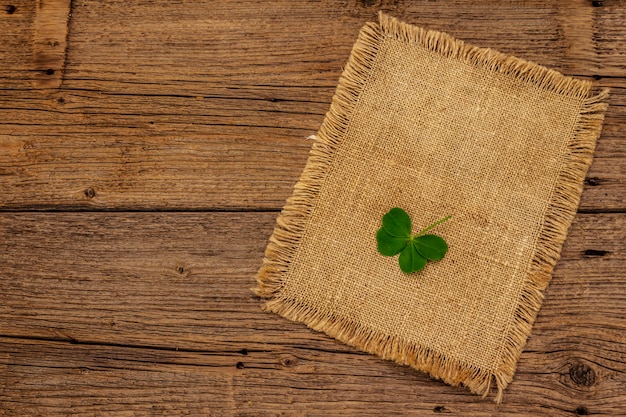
180	47
239	150
50	42
161	302
194	48
59	379
129	268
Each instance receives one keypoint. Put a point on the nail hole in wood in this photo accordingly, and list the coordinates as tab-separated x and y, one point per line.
49	71
593	181
582	411
244	351
594	252
597	3
240	365
10	9
596	77
180	269
61	100
439	409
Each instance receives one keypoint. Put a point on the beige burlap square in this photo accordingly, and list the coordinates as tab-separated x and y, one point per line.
438	127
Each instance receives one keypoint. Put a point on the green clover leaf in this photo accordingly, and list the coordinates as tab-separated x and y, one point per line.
397	223
390	245
431	247
394	237
410	260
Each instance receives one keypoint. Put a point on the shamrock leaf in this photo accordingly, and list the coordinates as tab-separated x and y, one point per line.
394	237
431	247
397	223
410	260
390	245
395	233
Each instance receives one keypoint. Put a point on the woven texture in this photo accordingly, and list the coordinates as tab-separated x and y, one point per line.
438	127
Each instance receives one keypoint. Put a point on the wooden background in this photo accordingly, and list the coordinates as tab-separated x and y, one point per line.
146	148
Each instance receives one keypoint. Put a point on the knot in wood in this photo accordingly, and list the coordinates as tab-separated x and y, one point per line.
582	375
90	193
288	361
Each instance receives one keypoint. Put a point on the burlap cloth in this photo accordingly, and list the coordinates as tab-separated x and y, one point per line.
438	127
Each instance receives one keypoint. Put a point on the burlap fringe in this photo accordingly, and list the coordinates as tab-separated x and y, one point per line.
449	47
293	219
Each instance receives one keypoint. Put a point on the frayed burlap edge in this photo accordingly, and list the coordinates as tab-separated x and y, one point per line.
294	217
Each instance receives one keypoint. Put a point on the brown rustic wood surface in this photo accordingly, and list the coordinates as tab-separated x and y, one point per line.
146	148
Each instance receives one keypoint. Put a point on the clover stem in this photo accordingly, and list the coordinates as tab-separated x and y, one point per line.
437	223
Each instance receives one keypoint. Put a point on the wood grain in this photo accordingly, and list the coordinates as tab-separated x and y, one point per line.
174	45
206	106
156	299
166	106
16	43
42	379
194	48
50	42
